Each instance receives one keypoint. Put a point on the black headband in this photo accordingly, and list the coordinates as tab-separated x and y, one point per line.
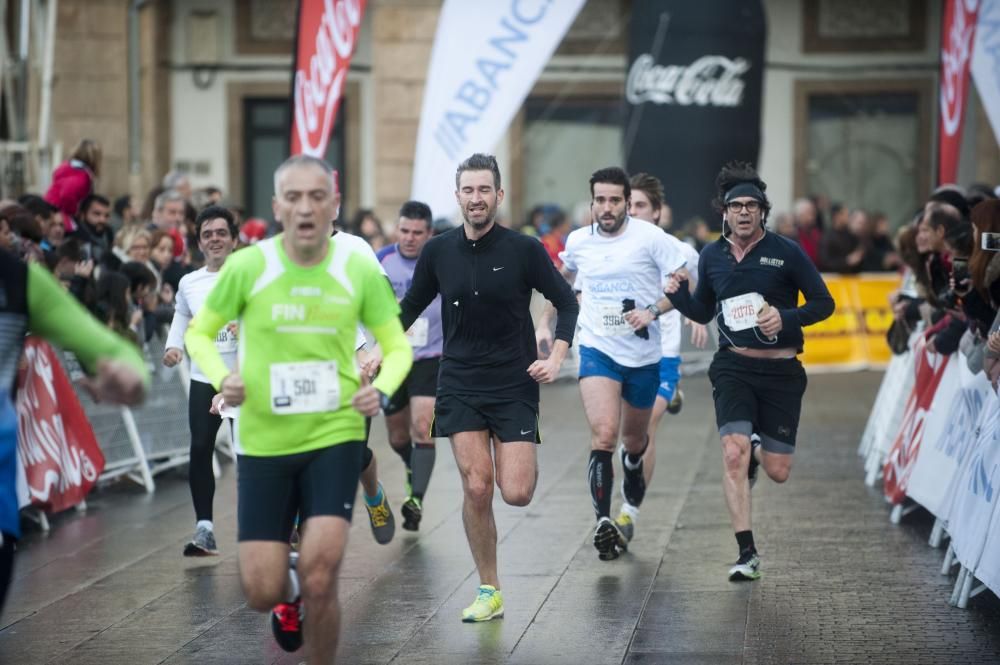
745	189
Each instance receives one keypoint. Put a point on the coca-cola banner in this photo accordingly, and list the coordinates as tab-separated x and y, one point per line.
957	32
693	95
55	443
485	60
325	40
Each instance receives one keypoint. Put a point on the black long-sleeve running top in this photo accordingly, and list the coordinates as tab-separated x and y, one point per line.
777	269
485	287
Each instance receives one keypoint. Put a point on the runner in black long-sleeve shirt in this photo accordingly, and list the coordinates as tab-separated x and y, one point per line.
749	282
488	381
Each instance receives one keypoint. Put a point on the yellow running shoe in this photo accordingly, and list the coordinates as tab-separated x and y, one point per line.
488	605
627	528
381	518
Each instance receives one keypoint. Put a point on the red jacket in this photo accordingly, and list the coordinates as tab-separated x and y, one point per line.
72	182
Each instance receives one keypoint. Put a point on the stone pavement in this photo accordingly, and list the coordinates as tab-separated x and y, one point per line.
840	585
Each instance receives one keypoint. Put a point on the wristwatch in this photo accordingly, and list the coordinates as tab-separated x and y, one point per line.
654	310
383	400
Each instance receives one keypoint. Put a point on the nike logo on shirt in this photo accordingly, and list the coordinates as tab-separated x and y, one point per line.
500	268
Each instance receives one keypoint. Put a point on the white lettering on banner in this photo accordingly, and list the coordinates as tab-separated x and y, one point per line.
318	86
474	96
954	61
45	440
711	80
485	59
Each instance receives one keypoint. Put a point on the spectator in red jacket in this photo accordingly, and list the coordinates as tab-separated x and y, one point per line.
73	181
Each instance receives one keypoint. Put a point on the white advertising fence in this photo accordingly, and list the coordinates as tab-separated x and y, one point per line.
934	431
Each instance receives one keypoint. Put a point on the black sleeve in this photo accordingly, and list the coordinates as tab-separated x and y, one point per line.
422	290
699	306
547	280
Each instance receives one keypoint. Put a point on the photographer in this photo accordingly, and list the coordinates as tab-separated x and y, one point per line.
981	294
945	336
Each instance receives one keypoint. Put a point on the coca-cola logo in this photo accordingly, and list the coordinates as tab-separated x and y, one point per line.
711	80
320	80
955	55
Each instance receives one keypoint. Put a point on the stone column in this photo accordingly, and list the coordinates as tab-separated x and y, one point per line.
403	33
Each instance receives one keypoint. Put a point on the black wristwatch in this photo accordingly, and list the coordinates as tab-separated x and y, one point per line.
383	400
654	310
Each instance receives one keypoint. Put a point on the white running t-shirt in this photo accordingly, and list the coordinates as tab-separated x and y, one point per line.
191	293
633	264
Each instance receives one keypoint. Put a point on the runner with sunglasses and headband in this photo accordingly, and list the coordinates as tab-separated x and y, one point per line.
749	282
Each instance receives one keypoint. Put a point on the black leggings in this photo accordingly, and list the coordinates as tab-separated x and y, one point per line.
6	566
204	428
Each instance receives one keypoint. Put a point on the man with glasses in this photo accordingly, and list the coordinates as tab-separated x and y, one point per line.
749	282
217	233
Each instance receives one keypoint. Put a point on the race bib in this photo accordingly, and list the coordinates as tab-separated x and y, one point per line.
417	334
226	339
610	320
308	387
740	312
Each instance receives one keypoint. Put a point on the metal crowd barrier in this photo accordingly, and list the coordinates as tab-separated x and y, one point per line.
140	443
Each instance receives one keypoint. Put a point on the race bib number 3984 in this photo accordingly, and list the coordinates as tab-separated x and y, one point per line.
610	320
308	387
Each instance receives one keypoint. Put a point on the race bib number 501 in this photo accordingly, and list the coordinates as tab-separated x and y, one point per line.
310	387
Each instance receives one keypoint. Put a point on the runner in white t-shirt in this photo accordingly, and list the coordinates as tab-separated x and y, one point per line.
622	265
648	205
217	232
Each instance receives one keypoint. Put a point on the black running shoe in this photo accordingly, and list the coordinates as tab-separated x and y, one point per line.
412	511
746	569
286	625
633	481
608	539
754	464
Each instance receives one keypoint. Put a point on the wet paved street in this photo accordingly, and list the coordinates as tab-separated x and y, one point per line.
840	585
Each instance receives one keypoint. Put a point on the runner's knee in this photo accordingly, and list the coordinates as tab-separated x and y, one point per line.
479	486
736	452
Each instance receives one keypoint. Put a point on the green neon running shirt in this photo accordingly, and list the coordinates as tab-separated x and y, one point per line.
298	328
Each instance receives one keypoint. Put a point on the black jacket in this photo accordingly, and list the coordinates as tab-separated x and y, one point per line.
485	287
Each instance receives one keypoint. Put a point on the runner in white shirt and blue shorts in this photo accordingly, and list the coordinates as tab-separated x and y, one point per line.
622	264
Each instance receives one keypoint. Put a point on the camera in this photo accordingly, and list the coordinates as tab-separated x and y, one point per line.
990	241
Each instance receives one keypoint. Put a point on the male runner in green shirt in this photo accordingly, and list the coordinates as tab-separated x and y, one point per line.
299	298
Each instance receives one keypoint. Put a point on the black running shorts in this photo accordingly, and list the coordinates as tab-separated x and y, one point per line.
271	490
422	381
509	420
756	394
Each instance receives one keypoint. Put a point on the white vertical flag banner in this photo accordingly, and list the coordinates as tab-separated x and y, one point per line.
485	60
986	61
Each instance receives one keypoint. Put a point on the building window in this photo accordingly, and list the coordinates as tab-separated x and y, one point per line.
266	123
864	144
563	141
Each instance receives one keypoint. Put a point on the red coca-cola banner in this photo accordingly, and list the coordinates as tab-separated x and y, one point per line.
929	368
326	37
957	33
55	443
